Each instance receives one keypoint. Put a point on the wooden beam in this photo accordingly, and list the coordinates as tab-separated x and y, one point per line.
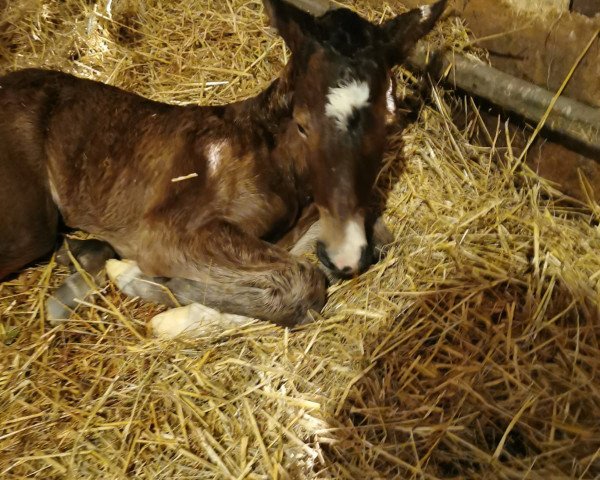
569	118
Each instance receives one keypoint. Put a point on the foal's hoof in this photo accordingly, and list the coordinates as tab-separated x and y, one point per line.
56	311
193	321
120	268
122	273
64	300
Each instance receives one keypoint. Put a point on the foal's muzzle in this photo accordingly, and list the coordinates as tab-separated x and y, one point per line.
366	259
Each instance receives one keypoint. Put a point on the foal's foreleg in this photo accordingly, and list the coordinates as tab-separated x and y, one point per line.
231	275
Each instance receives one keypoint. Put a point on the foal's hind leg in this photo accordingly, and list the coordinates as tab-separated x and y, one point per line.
91	256
236	274
28	216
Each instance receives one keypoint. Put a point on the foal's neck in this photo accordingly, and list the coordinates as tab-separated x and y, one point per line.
270	110
265	118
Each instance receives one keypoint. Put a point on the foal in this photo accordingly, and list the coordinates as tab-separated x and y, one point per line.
197	198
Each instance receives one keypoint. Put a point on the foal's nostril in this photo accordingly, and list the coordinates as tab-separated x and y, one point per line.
366	258
346	271
324	257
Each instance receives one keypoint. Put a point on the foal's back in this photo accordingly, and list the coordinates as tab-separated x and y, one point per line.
88	149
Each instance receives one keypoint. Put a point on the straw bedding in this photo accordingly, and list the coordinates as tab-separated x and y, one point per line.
471	351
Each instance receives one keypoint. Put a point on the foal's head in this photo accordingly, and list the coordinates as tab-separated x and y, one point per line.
342	92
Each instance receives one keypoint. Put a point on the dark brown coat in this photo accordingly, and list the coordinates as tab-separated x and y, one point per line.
200	194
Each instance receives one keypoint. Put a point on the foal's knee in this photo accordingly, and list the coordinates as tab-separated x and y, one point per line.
295	292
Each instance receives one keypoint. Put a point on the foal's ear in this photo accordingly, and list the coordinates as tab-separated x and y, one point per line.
292	23
406	29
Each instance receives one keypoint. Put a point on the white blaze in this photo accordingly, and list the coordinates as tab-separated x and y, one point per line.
349	251
343	100
425	12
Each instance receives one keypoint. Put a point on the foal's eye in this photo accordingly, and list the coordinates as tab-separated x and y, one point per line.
301	130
